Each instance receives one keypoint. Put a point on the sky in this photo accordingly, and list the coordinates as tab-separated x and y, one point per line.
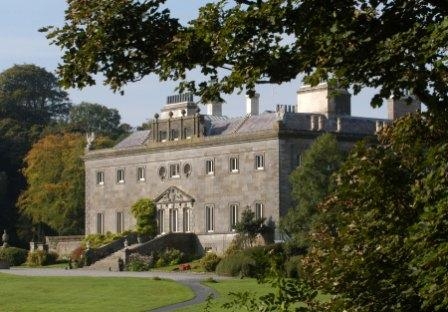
21	43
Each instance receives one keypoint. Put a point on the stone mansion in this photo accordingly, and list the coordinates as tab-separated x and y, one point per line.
203	170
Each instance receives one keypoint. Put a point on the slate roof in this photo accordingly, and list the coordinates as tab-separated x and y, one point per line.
221	125
136	138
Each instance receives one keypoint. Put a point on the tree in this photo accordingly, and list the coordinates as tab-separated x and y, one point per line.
30	94
381	242
248	228
92	117
144	210
396	45
311	183
55	175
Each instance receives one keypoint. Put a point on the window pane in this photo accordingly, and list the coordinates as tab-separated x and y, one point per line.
233	216
100	177
120	176
234	164
120	222
259	162
258	210
209	167
174	170
141	174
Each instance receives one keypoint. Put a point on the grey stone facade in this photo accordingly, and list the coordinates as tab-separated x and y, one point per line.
204	170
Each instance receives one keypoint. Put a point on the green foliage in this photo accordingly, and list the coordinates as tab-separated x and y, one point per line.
395	46
210	261
381	240
144	210
31	94
169	256
238	264
290	295
139	263
55	175
41	258
292	267
310	183
98	240
13	255
91	117
248	228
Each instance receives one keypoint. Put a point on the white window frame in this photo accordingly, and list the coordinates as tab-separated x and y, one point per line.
233	216
234	164
100	177
259	210
120	222
174	221
186	219
120	176
100	223
259	162
209	218
160	221
141	174
210	167
175	171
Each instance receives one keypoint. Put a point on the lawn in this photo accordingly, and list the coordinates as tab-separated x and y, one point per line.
224	288
25	294
234	285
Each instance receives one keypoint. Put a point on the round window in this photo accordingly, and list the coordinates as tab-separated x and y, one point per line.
162	172
187	169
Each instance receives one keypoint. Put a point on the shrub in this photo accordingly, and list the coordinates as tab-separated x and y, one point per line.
144	210
292	267
98	240
238	264
170	257
77	257
13	255
210	261
41	257
139	263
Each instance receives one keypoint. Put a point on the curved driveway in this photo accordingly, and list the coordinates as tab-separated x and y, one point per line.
189	279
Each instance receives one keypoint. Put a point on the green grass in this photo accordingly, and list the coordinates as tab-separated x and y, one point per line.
224	288
27	294
233	285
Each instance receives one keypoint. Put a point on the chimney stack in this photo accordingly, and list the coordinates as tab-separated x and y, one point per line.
214	108
399	108
252	104
322	99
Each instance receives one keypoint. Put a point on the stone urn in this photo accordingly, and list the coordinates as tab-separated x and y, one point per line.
5	238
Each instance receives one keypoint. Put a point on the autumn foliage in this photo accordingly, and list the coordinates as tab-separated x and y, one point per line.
55	174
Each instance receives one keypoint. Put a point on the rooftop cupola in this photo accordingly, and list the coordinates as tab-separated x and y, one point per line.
178	105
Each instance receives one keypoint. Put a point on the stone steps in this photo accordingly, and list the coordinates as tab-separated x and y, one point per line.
110	263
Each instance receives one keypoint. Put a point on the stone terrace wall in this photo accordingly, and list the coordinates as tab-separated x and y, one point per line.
185	242
63	245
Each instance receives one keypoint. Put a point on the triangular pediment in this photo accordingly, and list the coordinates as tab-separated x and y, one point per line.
173	195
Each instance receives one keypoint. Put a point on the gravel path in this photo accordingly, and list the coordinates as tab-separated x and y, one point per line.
189	279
